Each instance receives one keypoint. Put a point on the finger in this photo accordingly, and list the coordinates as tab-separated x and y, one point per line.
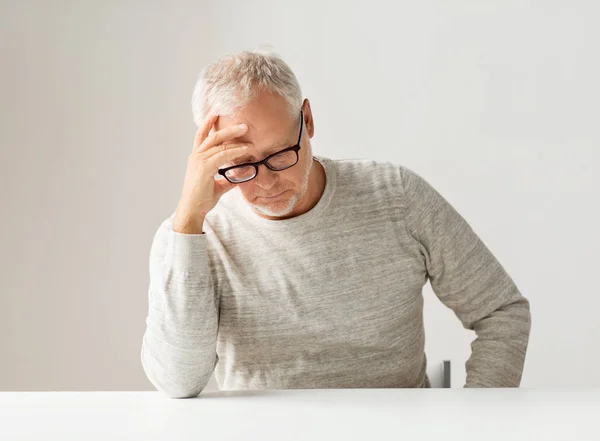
220	136
221	156
204	130
216	149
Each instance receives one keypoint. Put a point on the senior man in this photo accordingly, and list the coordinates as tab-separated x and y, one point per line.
282	269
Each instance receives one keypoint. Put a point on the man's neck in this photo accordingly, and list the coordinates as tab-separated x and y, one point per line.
316	187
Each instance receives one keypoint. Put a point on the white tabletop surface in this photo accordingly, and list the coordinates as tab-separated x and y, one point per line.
331	414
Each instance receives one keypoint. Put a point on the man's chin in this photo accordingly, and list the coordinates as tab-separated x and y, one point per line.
269	211
276	208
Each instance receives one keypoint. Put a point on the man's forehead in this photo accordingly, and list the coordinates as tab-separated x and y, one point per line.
263	140
256	123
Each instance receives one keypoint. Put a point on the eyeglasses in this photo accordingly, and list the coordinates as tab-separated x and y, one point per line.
278	161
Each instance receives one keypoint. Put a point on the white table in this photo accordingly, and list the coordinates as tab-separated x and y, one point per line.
356	414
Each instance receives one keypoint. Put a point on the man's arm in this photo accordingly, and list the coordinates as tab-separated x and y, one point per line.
179	345
467	278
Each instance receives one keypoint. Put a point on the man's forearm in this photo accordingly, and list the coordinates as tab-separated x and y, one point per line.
498	352
179	345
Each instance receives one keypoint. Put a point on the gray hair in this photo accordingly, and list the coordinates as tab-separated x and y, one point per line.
234	80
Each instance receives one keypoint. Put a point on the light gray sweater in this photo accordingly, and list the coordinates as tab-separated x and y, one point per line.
331	298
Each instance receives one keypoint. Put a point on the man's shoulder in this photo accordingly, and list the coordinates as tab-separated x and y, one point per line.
368	172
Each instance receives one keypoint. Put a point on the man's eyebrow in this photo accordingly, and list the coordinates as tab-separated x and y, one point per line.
270	151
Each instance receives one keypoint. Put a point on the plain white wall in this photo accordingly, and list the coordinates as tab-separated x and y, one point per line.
495	103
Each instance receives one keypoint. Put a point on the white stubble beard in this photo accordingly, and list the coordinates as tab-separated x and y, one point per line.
291	203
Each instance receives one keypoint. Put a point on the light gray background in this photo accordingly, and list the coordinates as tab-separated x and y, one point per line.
495	103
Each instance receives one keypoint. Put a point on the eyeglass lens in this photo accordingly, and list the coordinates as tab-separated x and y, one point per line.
280	161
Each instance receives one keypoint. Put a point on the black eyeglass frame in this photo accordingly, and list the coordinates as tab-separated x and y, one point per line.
256	165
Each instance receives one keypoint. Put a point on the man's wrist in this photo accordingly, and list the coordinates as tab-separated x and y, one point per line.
188	225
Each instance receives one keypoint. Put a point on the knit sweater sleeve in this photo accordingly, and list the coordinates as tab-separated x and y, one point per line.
179	344
466	277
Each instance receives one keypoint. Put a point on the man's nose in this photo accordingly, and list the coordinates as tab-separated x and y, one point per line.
265	177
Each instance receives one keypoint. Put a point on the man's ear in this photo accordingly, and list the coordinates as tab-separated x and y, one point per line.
308	118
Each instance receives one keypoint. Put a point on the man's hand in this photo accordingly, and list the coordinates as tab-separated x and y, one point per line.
201	191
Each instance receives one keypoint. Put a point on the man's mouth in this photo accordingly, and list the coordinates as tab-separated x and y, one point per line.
272	197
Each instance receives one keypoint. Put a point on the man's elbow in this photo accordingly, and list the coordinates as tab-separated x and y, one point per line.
168	385
520	311
176	389
510	322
